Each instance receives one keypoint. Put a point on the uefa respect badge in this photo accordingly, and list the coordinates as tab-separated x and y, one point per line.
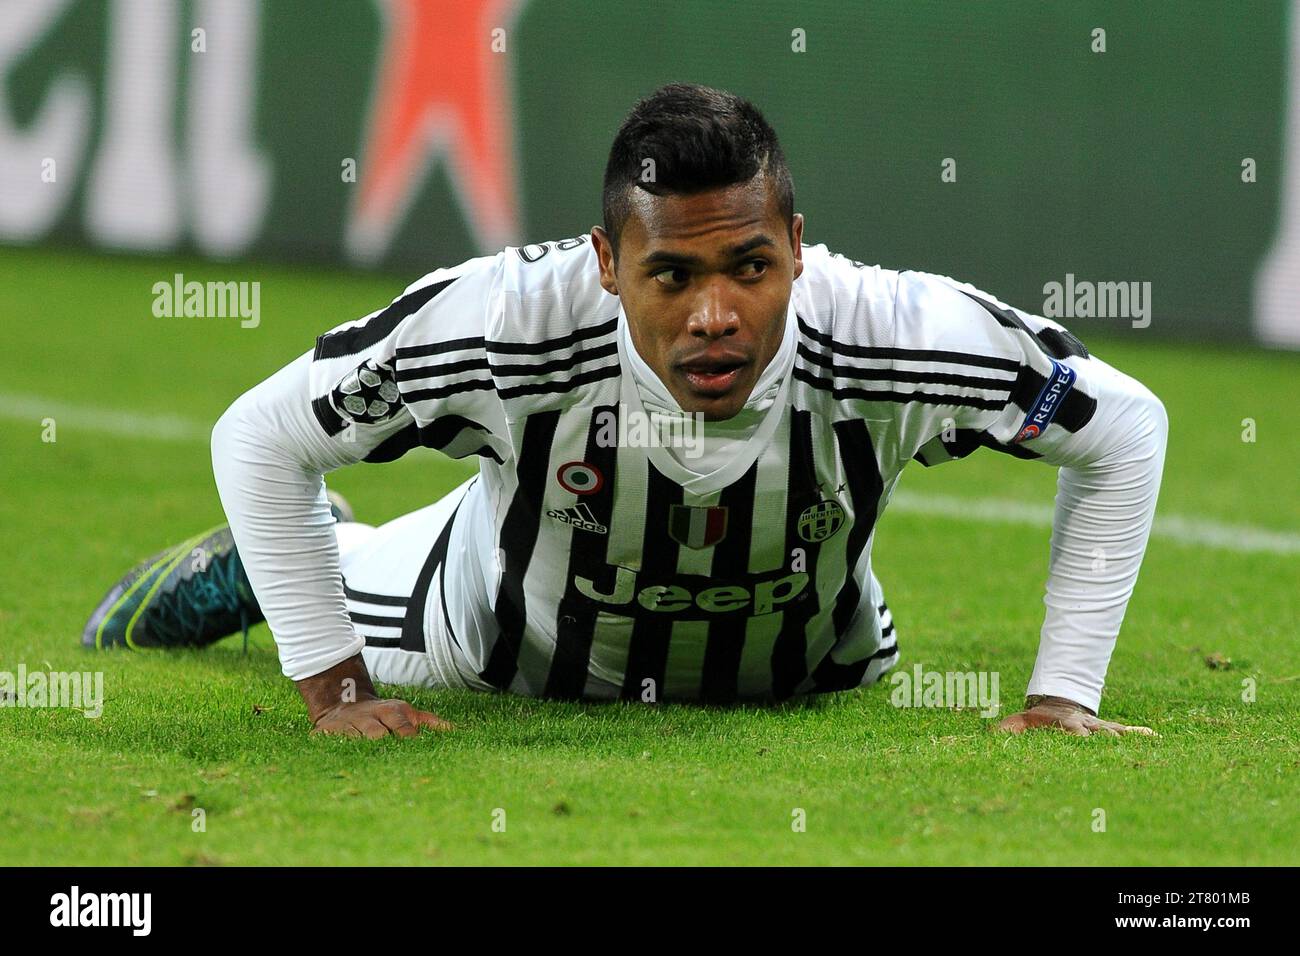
1048	401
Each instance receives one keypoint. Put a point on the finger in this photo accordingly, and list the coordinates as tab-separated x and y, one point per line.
1078	728
424	718
369	727
1015	724
1144	731
395	719
335	730
1025	720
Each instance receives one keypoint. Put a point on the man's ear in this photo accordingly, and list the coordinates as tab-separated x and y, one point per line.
605	255
796	233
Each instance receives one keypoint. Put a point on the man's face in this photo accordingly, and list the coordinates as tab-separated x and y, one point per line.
705	282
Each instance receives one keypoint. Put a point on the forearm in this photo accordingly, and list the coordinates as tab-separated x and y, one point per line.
268	470
1105	507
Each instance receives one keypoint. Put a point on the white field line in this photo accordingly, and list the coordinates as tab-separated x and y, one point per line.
1183	530
1190	531
33	409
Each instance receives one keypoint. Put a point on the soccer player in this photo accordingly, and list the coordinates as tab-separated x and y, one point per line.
687	426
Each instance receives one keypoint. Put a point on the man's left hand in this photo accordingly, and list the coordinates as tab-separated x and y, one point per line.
1068	716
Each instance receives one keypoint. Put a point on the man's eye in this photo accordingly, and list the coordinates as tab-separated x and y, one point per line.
760	266
675	276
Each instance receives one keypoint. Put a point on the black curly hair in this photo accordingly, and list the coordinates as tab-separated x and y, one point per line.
699	138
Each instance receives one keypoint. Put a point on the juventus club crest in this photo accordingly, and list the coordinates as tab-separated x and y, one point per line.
821	520
697	527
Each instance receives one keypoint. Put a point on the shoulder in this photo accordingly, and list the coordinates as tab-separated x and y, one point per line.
555	331
550	290
937	312
530	327
840	298
867	305
452	288
523	295
941	312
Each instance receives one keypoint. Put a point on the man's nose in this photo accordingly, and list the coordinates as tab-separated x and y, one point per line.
714	315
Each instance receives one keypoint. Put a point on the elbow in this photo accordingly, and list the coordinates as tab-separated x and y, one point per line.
225	431
1158	418
221	432
222	445
233	439
1149	435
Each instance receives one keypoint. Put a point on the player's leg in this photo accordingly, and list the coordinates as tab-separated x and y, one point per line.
190	595
886	655
391	578
866	650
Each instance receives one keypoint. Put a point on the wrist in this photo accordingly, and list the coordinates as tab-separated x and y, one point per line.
345	683
1035	700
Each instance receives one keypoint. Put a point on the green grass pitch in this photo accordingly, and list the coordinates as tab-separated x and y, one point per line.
623	783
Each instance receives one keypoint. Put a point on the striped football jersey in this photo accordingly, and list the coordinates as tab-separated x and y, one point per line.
593	567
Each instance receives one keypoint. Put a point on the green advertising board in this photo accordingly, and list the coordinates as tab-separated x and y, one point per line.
1025	147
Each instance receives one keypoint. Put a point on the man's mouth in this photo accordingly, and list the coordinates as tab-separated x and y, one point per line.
713	377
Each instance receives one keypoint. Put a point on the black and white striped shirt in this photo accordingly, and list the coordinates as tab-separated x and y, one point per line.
609	568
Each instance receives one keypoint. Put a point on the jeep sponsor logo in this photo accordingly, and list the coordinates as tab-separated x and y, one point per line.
692	596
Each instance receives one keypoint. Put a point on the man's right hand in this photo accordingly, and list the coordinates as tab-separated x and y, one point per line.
342	700
377	718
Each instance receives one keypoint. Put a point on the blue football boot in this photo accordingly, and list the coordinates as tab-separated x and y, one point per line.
187	596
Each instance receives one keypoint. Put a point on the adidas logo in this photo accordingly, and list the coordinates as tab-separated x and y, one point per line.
579	516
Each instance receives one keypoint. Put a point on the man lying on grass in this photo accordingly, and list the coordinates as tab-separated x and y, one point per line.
687	426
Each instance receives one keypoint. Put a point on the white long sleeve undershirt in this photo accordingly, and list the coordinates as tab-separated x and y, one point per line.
1105	506
269	456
